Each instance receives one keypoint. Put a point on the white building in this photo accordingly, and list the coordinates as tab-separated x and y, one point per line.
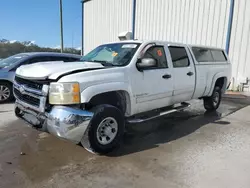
219	23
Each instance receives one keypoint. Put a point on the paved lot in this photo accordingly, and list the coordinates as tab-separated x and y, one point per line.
187	149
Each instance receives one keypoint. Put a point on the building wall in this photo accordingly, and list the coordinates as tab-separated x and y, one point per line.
104	20
240	42
203	22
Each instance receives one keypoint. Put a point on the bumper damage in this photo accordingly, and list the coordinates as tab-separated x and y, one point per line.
65	122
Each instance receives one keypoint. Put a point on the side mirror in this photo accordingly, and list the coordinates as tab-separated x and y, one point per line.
146	63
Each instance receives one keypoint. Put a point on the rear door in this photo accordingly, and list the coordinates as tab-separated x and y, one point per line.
184	73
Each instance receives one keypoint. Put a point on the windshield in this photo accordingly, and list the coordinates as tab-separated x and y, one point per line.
7	62
116	54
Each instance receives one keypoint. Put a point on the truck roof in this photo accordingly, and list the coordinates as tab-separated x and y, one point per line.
167	42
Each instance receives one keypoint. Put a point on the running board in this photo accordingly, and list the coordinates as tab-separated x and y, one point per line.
183	106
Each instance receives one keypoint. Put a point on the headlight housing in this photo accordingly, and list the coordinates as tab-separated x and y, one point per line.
64	93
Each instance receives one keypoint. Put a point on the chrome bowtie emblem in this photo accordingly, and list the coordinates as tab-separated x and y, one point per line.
21	89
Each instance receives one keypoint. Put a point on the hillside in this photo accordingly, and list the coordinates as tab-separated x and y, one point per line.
8	48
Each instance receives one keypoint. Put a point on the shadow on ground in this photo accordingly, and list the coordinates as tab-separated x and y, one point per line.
145	136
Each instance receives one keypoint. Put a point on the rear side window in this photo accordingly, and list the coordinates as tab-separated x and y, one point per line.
73	59
64	59
57	58
202	54
218	55
179	56
38	59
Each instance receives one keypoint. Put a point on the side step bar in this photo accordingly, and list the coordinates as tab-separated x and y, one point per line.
183	106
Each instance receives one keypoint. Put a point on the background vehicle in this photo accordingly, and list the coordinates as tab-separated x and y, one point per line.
128	81
9	65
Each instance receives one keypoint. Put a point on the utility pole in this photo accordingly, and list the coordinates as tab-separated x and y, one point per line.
61	23
133	19
82	52
230	23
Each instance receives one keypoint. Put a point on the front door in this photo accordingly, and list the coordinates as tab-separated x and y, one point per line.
153	88
184	72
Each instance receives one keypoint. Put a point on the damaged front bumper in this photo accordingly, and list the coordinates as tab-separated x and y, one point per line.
65	122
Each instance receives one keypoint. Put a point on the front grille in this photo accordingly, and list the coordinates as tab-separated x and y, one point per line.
27	98
29	83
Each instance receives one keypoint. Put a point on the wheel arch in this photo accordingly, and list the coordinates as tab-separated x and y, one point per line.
119	96
6	81
219	80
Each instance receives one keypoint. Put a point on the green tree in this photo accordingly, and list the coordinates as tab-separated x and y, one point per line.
8	49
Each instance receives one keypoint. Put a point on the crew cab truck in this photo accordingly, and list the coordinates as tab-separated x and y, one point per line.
90	101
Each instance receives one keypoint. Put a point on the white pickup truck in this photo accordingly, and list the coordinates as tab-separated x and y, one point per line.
90	101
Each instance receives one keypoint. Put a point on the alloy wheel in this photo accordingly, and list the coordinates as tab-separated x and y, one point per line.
4	93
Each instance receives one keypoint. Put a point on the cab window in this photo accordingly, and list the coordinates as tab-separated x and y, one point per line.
179	56
157	53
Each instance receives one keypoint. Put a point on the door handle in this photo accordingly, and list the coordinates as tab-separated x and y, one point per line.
190	73
166	76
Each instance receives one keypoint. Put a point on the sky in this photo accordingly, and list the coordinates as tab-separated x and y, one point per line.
39	21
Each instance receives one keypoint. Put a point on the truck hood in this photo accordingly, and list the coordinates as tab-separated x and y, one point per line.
53	70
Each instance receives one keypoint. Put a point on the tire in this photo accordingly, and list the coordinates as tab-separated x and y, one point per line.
6	93
212	103
106	120
18	112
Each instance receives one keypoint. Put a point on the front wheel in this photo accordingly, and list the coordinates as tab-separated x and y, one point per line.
105	130
213	102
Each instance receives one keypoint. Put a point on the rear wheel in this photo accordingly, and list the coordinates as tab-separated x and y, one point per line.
105	130
6	93
213	102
